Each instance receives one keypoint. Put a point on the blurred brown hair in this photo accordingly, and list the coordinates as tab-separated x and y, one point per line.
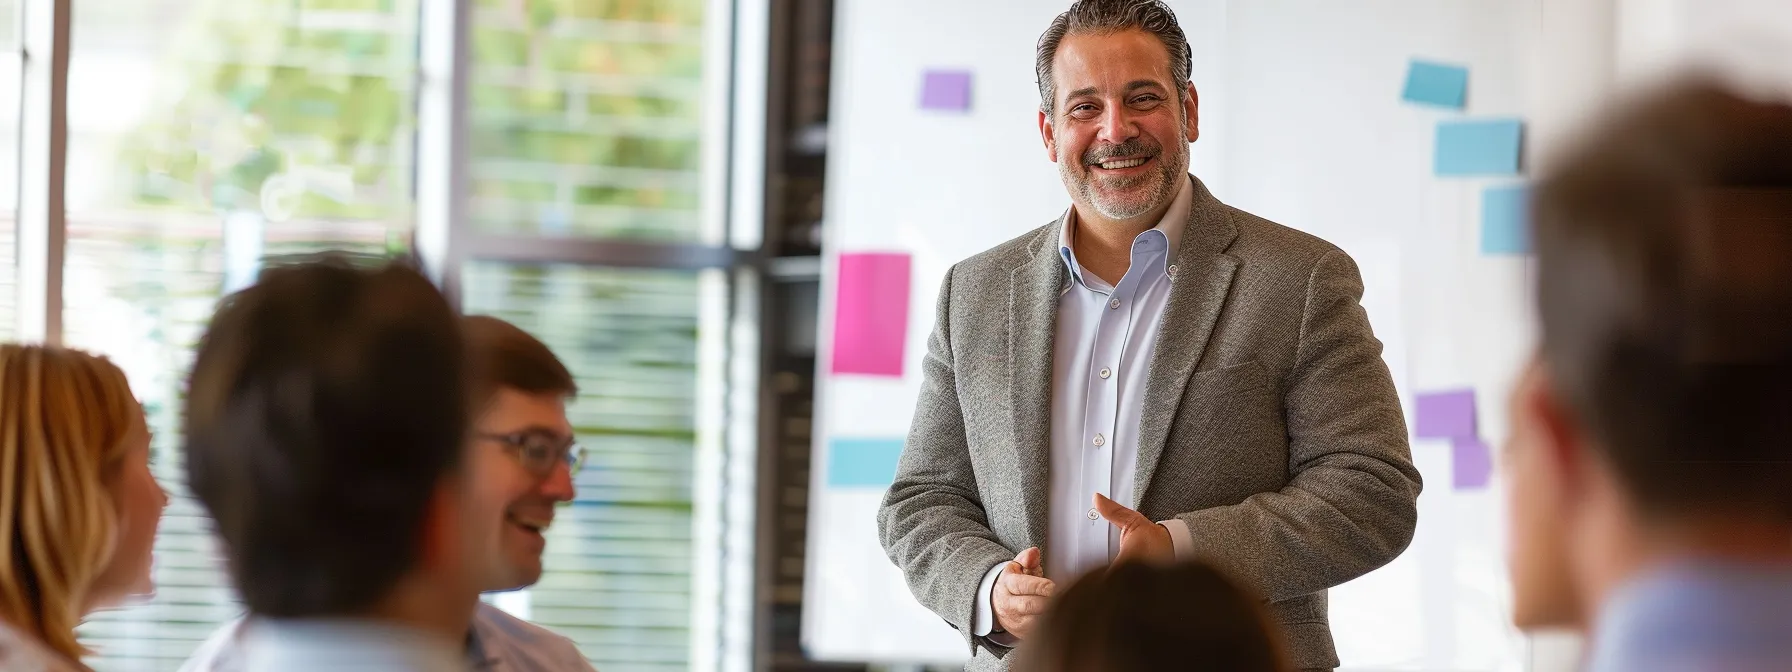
502	355
1139	617
1664	287
326	406
64	416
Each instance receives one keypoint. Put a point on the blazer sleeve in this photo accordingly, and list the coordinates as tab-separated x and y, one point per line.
932	522
1352	500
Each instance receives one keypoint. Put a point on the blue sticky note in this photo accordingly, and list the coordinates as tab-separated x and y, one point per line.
1504	226
946	90
862	463
1478	147
1430	83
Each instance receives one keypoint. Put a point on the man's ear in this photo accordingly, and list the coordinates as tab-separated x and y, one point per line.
1565	445
1191	106
444	527
1048	135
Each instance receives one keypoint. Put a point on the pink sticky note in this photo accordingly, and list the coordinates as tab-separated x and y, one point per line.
1445	415
1471	464
871	314
946	90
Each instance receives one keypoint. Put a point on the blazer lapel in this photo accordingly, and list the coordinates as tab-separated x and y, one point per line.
1199	284
1032	318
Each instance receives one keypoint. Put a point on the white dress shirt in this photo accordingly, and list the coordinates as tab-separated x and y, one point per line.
1101	359
345	645
496	641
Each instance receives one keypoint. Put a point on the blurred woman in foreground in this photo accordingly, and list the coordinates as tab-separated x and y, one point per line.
78	505
1140	617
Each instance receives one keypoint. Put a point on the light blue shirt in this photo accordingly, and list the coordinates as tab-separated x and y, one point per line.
504	643
497	642
1101	358
344	645
1705	617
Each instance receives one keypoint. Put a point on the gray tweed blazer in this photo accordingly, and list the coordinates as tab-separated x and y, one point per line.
1271	427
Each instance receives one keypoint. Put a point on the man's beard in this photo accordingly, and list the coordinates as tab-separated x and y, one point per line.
1127	197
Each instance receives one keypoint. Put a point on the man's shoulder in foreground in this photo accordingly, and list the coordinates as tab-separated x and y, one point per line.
220	652
521	645
1705	615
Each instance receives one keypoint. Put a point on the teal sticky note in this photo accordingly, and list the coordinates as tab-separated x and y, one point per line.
1478	147
1505	229
862	463
1438	84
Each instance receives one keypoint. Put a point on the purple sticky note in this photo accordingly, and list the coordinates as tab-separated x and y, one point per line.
946	90
1471	464
1446	415
871	314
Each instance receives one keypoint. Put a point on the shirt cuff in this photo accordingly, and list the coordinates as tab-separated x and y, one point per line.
1180	539
983	621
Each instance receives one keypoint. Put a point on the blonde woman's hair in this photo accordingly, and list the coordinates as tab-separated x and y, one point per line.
64	415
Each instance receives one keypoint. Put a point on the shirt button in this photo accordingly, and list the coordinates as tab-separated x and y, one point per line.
1093	515
1100	440
1114	304
1105	373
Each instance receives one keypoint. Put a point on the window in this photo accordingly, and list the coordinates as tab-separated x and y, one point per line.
587	118
591	222
204	135
587	204
10	89
620	559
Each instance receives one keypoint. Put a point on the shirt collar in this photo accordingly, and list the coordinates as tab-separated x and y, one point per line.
1171	227
1693	609
324	643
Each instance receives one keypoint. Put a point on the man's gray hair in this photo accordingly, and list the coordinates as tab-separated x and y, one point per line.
1112	16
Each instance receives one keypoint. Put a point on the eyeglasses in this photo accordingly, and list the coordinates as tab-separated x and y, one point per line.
539	451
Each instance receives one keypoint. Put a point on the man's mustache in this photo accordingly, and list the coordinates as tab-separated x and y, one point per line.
1130	149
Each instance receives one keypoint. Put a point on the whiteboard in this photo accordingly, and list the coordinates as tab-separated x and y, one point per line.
1301	123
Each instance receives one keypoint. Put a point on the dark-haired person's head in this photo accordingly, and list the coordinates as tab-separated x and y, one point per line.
1655	420
1141	617
325	433
522	444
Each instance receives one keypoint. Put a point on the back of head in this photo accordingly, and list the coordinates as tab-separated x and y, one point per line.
325	409
1664	252
64	416
1138	617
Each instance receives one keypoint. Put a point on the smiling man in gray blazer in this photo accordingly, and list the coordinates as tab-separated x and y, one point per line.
1155	375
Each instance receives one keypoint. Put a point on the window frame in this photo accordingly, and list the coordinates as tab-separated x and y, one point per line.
735	62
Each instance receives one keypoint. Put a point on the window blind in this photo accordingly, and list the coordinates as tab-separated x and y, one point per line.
211	133
289	125
619	558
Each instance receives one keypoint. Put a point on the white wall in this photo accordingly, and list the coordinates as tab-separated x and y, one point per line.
1318	139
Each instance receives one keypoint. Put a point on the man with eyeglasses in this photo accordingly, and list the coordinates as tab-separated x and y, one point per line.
524	457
